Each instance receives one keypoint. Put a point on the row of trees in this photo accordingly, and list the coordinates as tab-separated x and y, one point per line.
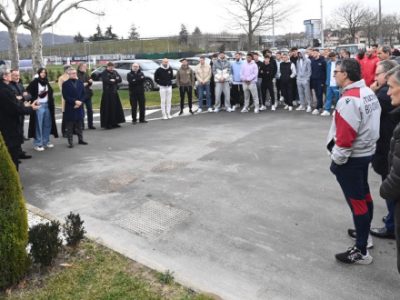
35	16
354	17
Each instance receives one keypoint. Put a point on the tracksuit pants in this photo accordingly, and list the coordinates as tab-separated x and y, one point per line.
353	179
267	85
166	97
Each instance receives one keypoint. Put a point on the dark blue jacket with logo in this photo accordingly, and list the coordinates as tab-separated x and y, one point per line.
318	69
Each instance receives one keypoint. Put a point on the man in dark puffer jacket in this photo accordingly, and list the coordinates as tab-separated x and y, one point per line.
390	188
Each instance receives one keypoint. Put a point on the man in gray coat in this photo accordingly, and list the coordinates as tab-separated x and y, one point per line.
222	75
303	67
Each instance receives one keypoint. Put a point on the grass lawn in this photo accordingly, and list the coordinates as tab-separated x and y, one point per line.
152	98
95	272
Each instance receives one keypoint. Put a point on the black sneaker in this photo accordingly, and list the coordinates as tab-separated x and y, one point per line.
354	256
353	234
181	112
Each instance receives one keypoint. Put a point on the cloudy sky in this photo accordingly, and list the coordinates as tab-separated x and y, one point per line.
163	17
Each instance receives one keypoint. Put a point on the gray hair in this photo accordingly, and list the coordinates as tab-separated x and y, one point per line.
387	65
395	72
4	71
351	67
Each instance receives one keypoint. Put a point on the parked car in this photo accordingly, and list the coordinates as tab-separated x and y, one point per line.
194	61
123	67
352	48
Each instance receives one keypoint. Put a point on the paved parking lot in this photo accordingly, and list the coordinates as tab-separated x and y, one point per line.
241	205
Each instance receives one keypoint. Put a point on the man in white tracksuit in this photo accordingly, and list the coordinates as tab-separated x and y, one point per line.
222	74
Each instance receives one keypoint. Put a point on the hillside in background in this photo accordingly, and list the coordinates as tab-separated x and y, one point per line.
25	40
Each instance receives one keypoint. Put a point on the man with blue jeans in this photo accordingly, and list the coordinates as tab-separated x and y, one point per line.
352	143
332	89
203	76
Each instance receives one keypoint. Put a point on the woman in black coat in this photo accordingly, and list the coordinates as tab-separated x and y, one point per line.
390	188
42	122
111	112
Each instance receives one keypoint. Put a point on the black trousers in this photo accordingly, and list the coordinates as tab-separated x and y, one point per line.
295	92
237	95
186	90
14	153
287	91
89	112
267	85
73	127
278	89
137	99
63	128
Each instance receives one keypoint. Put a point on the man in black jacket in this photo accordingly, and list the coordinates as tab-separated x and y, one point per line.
267	73
22	96
163	76
387	125
87	82
136	93
10	111
390	187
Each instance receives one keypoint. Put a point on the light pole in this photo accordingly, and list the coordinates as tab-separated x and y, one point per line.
380	24
273	26
88	43
322	26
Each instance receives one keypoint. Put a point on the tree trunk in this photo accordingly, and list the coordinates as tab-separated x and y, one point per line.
37	48
249	42
13	48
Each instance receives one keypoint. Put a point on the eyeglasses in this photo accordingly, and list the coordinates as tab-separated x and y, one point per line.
336	71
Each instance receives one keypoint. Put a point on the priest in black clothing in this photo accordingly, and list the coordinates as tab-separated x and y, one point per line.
111	112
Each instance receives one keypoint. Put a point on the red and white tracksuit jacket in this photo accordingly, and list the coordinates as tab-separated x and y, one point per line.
355	126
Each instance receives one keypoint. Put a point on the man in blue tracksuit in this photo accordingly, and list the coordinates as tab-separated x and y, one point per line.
332	90
318	77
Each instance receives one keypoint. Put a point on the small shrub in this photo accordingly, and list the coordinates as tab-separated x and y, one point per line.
73	230
51	75
14	260
45	243
167	277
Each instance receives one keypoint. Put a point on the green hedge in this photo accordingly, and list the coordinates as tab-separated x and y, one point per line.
14	260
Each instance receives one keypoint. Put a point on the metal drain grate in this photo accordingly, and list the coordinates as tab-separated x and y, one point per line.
152	219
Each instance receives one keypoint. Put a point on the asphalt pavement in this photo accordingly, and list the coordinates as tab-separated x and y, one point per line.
242	205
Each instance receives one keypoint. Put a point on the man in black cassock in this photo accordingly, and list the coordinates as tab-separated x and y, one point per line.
111	112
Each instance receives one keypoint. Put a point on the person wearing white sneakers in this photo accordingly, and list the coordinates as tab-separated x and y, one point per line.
203	76
42	123
303	80
237	87
249	77
278	60
267	72
332	90
318	78
163	77
222	73
288	72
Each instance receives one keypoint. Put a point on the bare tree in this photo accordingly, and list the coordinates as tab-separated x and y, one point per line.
12	22
43	14
255	15
350	16
370	25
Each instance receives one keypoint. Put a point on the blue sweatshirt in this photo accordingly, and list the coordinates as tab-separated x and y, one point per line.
236	67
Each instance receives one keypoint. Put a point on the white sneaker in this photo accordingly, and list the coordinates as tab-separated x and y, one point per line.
294	102
234	108
210	110
286	107
199	110
164	117
49	145
244	110
326	113
281	99
263	107
273	107
290	108
309	109
216	110
315	112
39	148
256	110
301	107
169	116
228	109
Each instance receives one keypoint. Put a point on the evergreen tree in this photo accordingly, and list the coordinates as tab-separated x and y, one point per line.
109	35
14	260
183	35
133	34
78	38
